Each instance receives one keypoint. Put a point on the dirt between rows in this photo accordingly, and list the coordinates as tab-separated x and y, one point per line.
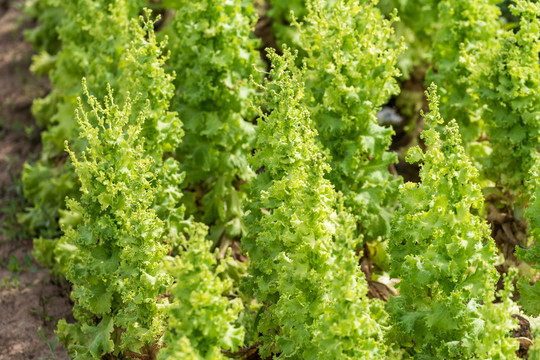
29	299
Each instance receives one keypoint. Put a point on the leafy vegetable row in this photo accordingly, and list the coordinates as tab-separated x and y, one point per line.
183	151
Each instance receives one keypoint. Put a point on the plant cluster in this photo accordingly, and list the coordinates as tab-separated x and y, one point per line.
201	322
303	266
441	251
350	73
47	182
507	89
465	28
117	247
487	70
215	56
203	212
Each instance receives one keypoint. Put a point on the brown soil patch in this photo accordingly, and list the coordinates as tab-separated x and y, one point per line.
19	138
507	231
29	300
265	32
376	290
28	297
524	336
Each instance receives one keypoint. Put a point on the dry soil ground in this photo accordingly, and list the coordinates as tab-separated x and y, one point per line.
29	299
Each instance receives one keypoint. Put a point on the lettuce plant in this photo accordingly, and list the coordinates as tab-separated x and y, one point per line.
465	27
530	294
303	268
202	320
283	13
115	269
214	56
442	253
131	61
350	73
509	83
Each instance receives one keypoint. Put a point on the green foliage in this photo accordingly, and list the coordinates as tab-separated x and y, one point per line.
509	90
282	13
214	56
442	253
465	27
489	76
418	23
350	73
115	269
533	211
286	15
132	61
323	184
303	267
202	320
87	49
46	187
44	37
530	294
421	16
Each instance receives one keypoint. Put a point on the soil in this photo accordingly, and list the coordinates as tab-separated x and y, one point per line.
265	32
29	299
524	336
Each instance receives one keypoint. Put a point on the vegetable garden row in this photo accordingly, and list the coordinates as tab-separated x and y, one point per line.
208	198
